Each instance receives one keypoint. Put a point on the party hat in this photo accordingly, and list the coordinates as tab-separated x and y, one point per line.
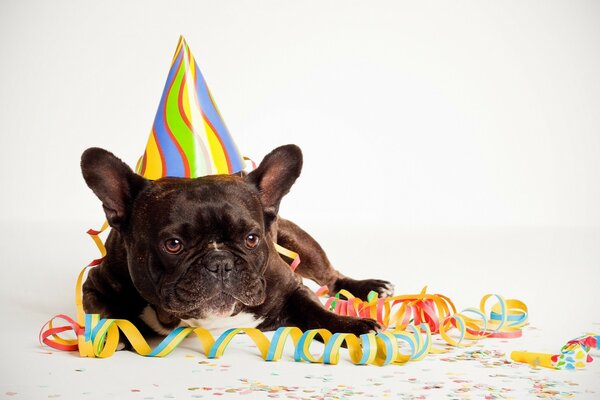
189	138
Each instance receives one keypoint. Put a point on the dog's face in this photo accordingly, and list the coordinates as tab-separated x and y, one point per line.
195	247
200	244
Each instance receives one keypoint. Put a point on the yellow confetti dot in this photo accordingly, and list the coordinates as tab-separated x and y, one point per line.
580	354
580	364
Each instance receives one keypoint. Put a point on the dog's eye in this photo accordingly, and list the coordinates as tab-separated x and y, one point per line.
252	241
173	246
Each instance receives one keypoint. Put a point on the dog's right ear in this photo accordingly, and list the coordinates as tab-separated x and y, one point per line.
115	184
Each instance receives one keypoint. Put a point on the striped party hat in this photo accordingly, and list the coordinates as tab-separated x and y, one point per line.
189	138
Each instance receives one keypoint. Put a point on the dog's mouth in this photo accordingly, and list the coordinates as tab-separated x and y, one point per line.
189	300
221	305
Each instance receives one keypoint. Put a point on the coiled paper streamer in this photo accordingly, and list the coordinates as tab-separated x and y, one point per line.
507	317
414	319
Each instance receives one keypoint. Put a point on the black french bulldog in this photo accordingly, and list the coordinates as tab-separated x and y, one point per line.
200	252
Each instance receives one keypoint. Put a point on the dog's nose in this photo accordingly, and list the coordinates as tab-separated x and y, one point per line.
220	263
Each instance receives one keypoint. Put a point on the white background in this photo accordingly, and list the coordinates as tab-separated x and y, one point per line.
455	145
415	113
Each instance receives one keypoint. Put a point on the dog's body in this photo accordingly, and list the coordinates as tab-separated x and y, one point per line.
200	252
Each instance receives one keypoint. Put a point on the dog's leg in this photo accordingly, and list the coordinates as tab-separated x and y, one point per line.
303	309
316	266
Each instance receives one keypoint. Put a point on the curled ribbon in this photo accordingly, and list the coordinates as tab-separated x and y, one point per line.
438	312
412	320
100	338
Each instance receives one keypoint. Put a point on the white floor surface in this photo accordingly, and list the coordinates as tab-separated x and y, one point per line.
554	270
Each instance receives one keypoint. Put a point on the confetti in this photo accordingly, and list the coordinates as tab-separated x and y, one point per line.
487	358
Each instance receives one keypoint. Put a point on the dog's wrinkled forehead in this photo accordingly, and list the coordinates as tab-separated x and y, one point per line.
215	205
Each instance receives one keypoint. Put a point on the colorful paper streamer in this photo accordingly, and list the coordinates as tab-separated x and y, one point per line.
507	317
100	338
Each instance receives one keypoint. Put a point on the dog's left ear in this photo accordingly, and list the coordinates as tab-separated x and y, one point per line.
275	176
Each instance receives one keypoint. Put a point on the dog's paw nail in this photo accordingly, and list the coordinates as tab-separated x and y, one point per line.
386	290
121	346
376	330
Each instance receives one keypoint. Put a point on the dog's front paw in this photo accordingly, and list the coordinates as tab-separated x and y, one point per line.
357	326
362	288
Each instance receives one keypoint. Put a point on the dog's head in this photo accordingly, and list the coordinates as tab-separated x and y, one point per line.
195	247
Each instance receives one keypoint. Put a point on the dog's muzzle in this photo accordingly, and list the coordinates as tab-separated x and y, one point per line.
220	264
